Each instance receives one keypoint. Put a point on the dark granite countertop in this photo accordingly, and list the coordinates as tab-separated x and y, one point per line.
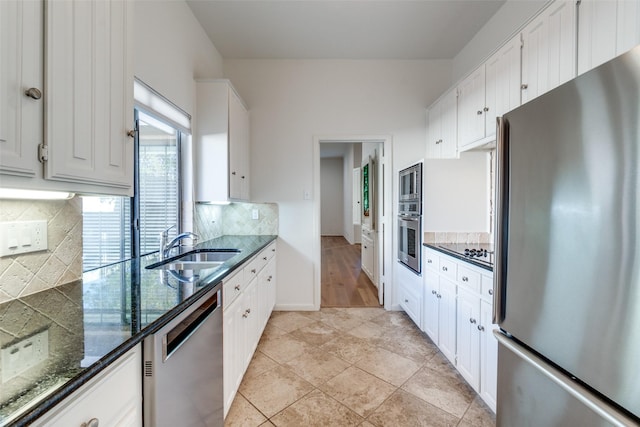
457	251
90	323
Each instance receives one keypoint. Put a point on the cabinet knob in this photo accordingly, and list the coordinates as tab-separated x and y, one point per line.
34	93
490	291
264	258
479	112
439	296
429	261
480	328
245	315
248	311
472	320
445	269
406	300
524	86
236	287
233	173
269	278
93	422
465	279
434	292
131	133
253	270
486	109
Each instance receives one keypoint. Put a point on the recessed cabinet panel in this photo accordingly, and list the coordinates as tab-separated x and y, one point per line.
21	65
89	102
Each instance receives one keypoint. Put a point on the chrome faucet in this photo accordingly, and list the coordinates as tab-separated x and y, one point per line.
165	247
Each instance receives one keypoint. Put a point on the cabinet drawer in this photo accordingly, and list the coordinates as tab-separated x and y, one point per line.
430	260
447	268
469	278
487	288
270	251
232	287
253	267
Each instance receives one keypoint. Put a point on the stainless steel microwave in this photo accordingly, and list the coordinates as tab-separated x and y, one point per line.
411	183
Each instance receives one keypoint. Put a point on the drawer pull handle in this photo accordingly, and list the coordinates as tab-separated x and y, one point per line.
445	269
472	320
481	328
236	287
465	279
93	422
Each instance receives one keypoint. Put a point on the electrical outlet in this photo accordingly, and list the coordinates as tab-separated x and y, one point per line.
19	237
255	214
24	355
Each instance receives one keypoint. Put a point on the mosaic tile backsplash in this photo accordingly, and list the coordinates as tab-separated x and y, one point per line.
213	221
26	274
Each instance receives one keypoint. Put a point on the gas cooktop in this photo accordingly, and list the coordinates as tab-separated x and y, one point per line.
481	252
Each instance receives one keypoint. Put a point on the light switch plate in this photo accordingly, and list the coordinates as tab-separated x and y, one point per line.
19	237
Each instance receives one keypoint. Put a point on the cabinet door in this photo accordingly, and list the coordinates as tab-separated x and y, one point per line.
21	116
233	349
468	337
434	131
628	30
549	49
411	303
488	357
238	148
250	322
89	80
471	105
596	33
447	319
449	125
431	306
502	83
367	256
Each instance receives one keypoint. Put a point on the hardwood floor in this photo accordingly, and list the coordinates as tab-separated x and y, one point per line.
343	282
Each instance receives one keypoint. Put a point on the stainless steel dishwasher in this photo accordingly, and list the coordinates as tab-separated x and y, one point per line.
183	368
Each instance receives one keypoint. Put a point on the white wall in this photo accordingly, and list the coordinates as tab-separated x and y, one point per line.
171	49
332	196
500	28
291	101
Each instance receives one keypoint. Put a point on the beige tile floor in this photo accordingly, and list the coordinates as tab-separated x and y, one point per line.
352	367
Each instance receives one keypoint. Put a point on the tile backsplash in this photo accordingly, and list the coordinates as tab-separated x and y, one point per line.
61	263
212	221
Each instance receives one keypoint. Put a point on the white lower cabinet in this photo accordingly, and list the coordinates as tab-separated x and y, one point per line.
457	316
249	298
411	301
111	398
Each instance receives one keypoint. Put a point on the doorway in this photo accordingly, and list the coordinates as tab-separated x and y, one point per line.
353	237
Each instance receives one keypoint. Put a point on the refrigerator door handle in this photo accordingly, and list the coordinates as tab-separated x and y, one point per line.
500	218
581	393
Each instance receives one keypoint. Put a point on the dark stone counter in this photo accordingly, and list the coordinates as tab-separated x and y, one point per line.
88	324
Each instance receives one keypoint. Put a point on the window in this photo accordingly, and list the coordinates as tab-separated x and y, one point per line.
120	228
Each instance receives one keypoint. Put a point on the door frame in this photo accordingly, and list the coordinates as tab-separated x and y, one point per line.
386	229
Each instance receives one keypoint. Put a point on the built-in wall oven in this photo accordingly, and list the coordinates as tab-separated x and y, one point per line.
410	217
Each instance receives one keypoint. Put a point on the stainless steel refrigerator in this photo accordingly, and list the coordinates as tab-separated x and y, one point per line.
567	273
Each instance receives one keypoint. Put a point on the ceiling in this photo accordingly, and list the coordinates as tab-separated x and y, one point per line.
335	29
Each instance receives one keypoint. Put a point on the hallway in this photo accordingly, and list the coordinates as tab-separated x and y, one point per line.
343	283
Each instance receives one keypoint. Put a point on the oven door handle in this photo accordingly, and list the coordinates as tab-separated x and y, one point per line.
409	218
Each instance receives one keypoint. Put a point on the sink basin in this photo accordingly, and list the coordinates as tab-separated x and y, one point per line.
195	261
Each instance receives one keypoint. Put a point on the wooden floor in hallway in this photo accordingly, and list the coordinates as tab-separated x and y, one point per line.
344	284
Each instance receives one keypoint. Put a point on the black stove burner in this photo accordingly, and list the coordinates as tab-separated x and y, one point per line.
482	253
471	253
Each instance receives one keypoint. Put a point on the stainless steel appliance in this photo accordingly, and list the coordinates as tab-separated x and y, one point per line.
410	217
411	183
481	253
183	368
567	272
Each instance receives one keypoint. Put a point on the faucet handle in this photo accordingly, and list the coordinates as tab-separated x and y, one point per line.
165	232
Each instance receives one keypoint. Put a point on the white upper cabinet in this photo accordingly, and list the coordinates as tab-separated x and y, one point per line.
628	29
471	108
222	143
549	49
21	69
502	76
490	91
442	141
606	28
89	97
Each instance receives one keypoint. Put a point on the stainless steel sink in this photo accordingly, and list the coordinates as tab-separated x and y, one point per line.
195	261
